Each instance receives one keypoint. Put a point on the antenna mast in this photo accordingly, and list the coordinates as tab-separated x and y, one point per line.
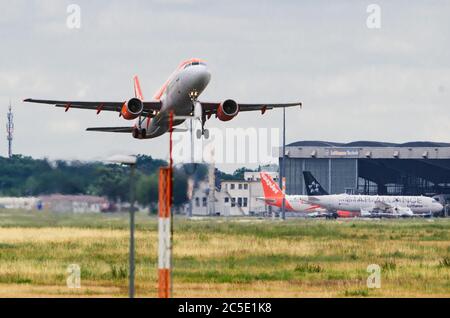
10	130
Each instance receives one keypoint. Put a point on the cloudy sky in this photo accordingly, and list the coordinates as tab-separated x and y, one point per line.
356	83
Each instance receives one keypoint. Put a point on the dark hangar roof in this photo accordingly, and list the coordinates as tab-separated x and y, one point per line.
318	143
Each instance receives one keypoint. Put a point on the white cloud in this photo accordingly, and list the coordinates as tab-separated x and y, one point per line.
65	127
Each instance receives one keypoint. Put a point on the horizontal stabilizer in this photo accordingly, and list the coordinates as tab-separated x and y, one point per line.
112	129
180	130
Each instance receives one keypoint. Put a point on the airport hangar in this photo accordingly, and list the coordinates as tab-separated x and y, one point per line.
369	167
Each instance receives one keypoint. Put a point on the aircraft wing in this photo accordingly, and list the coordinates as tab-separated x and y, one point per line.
111	129
124	129
383	208
211	108
380	205
267	200
99	106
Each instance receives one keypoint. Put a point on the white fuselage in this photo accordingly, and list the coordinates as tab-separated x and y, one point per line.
358	203
177	95
297	203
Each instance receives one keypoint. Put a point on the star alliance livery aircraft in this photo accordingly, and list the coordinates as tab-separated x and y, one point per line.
370	205
179	95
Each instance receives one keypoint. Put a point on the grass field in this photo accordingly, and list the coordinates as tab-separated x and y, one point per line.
224	258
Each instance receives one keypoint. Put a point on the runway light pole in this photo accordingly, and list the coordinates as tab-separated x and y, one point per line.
282	168
129	161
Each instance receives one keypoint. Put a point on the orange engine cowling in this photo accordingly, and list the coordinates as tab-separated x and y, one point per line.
227	110
132	109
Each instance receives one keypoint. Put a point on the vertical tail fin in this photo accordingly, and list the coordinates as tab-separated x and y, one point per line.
313	186
270	187
137	88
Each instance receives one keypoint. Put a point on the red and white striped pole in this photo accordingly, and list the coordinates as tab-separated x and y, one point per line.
164	232
165	225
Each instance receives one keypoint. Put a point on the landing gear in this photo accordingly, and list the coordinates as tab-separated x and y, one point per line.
139	133
198	113
135	133
201	133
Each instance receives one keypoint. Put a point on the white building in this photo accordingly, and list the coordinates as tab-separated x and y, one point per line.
200	199
255	176
235	198
57	203
26	203
73	203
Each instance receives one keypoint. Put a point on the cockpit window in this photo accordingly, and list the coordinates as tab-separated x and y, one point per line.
194	63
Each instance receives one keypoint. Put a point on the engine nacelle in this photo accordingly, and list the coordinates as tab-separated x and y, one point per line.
132	109
227	110
403	211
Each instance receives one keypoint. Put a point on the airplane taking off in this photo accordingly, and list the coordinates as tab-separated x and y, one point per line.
179	95
296	203
370	205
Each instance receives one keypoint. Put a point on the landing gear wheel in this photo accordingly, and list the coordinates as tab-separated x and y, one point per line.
203	132
135	133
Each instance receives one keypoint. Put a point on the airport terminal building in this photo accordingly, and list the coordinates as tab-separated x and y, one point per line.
369	167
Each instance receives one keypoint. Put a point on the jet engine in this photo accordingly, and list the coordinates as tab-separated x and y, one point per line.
132	109
227	110
403	211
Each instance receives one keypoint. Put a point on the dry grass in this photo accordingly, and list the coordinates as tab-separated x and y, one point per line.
225	258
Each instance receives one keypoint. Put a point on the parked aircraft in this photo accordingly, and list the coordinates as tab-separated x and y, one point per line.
370	205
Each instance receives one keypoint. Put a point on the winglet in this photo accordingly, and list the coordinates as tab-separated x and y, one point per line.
137	88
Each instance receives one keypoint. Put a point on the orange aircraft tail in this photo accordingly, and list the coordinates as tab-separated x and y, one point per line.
272	192
271	189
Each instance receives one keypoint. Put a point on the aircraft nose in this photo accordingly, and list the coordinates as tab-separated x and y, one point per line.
200	76
203	77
